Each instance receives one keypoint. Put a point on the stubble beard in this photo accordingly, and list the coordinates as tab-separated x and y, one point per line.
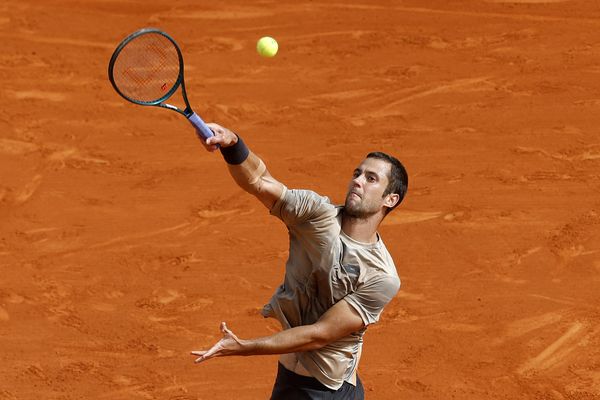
357	211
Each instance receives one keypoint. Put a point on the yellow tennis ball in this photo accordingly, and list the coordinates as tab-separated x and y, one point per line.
267	46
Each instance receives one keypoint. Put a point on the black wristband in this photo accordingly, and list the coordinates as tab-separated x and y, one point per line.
235	154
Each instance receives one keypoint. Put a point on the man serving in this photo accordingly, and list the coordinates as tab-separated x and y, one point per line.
338	278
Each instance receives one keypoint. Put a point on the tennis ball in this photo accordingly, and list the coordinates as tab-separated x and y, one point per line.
267	46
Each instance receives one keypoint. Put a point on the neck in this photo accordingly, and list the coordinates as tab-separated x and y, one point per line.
361	229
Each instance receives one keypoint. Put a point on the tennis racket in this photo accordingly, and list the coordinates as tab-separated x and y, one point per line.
147	68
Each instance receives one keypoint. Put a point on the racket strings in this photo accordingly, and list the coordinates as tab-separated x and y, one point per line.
147	68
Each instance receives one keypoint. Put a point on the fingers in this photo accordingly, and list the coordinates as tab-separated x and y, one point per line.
222	136
214	140
218	129
213	351
219	133
201	355
210	147
205	355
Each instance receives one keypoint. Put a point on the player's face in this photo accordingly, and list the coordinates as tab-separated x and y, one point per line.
365	192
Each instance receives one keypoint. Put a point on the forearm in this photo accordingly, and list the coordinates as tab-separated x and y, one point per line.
338	322
246	168
249	173
298	339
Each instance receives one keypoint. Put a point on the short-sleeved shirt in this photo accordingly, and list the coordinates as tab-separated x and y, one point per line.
325	266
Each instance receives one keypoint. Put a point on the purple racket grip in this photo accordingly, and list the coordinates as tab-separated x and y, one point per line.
202	130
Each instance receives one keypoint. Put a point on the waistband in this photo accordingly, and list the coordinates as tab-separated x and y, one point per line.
300	380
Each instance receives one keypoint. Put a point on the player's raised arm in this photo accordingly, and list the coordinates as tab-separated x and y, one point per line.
246	168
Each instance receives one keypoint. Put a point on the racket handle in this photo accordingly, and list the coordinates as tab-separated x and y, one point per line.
202	130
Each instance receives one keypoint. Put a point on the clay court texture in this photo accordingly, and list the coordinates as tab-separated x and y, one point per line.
124	244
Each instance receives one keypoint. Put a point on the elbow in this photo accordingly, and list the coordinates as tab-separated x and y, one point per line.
320	338
318	344
257	186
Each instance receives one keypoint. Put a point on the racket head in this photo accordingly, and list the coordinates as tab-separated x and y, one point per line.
146	68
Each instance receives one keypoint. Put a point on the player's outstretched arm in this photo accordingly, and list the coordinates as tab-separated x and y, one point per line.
246	168
339	321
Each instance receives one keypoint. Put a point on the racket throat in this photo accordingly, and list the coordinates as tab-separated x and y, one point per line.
188	112
188	109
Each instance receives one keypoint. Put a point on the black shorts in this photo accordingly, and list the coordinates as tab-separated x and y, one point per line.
291	386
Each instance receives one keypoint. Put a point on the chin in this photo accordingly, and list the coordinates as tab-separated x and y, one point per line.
354	212
350	207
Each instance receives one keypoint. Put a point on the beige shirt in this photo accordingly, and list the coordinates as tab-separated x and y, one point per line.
325	266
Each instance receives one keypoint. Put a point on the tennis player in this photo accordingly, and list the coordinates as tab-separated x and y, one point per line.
339	275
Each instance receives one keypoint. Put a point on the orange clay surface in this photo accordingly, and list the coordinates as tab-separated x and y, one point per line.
124	244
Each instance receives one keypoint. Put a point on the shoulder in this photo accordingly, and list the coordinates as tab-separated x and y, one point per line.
299	205
385	281
372	294
387	262
306	194
382	272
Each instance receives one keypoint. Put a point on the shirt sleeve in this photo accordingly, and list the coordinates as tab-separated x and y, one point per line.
370	298
297	206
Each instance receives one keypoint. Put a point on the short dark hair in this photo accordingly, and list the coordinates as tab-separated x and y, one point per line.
398	178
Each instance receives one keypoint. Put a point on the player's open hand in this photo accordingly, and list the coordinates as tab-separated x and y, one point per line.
223	137
229	345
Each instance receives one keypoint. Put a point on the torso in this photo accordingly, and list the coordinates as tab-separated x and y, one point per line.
291	363
325	266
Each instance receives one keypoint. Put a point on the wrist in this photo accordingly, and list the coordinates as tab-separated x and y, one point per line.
246	347
237	153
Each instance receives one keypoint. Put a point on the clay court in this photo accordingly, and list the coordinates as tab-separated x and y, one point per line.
124	244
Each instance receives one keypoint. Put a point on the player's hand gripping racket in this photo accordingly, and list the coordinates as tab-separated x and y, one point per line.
147	68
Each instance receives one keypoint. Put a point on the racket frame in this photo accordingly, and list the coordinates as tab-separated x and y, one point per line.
201	129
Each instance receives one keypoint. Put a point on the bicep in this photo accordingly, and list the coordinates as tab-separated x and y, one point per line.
339	321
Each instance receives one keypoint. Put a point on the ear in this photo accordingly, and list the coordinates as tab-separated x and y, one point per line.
391	200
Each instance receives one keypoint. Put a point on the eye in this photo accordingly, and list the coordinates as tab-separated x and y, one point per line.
356	174
371	178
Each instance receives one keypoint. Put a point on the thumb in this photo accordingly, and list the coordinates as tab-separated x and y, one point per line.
224	328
